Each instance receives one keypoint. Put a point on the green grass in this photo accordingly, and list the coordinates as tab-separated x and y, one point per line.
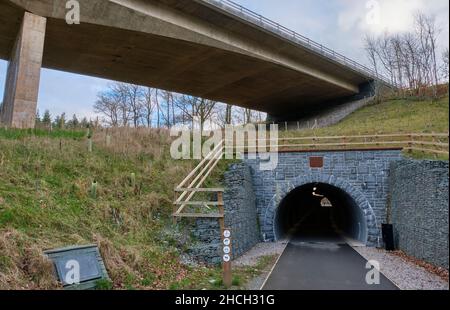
45	201
16	134
393	116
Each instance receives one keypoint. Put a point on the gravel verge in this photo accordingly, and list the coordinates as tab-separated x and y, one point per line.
262	249
403	273
250	259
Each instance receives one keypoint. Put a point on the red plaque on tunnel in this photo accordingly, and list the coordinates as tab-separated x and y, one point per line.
316	162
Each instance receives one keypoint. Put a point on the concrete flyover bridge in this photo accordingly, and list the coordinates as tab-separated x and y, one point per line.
207	48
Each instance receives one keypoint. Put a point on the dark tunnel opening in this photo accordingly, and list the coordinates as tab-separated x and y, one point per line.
320	211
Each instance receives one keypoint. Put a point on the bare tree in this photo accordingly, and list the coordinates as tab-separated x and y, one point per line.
427	32
409	59
370	45
222	114
445	65
167	108
148	106
121	104
410	55
195	108
228	114
247	116
118	89
259	116
158	109
134	100
127	104
109	105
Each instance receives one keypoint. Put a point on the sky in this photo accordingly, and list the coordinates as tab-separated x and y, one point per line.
337	24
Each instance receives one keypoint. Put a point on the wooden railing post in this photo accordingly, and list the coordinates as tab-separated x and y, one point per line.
436	142
174	218
221	210
410	144
226	258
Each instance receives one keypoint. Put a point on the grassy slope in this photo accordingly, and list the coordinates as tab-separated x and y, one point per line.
45	202
45	199
394	116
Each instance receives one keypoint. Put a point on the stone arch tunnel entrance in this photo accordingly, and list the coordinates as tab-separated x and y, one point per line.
320	212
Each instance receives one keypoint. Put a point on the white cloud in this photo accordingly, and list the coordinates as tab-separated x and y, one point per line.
394	16
390	15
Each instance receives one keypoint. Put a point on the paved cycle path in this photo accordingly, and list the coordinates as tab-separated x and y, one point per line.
322	262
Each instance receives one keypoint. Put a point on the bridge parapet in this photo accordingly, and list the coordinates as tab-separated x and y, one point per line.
293	36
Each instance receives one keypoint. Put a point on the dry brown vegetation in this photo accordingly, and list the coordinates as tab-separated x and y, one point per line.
22	263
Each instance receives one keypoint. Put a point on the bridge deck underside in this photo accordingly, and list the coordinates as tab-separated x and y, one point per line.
173	64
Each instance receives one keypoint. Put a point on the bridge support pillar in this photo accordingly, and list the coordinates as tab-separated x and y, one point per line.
23	74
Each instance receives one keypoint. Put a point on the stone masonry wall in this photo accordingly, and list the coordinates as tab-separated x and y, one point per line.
207	249
419	209
240	216
252	196
362	174
240	209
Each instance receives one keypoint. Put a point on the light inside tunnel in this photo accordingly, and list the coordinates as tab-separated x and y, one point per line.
320	209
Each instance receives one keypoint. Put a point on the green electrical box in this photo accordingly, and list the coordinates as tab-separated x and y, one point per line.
78	267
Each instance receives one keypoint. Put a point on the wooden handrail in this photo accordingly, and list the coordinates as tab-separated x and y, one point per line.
430	143
206	166
200	190
199	184
359	143
427	150
443	135
192	184
341	144
199	215
200	164
197	203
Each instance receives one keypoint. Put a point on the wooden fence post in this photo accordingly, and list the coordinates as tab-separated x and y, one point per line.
226	244
221	210
410	144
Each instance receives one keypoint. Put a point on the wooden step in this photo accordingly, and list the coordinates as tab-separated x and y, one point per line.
198	215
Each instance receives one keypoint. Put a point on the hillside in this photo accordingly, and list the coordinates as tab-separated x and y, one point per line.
46	200
392	116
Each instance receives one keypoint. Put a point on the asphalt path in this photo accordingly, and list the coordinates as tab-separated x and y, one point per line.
321	260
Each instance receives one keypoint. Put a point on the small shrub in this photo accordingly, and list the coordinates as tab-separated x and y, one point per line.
236	281
103	284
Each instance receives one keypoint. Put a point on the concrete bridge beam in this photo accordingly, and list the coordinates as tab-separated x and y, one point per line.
23	74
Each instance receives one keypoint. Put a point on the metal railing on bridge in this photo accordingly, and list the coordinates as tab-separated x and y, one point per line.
256	19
